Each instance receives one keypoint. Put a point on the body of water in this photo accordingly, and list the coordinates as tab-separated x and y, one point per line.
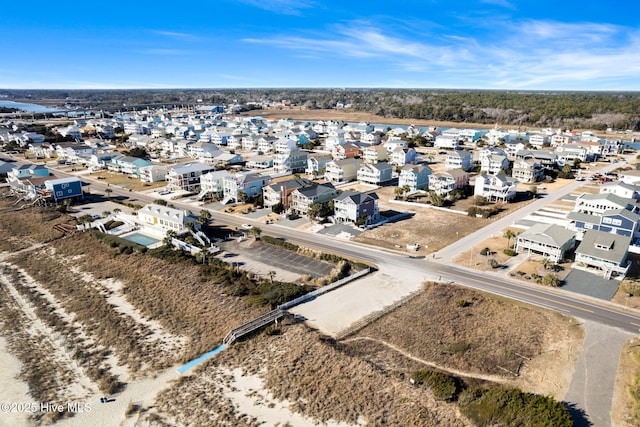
29	108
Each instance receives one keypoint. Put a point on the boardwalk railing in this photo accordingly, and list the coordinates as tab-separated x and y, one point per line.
279	313
253	325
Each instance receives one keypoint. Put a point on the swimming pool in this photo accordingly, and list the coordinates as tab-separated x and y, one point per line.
141	239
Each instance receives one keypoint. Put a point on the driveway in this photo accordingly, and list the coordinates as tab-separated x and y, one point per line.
591	390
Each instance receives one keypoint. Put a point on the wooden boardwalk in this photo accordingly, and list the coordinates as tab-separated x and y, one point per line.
255	324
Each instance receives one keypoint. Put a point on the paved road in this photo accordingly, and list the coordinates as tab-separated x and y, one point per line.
595	374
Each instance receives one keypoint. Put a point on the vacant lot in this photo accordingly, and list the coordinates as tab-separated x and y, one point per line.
432	229
479	337
625	411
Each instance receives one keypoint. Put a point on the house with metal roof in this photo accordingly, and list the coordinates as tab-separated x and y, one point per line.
604	252
549	240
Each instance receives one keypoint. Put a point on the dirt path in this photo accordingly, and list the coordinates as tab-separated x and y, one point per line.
459	373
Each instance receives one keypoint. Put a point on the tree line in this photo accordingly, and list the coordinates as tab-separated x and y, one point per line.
593	110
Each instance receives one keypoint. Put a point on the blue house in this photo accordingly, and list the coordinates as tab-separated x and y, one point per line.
615	221
26	170
64	188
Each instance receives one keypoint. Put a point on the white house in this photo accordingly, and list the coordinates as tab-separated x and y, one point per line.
458	159
212	183
375	174
498	187
165	217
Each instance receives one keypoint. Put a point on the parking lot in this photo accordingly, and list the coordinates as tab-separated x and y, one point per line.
261	258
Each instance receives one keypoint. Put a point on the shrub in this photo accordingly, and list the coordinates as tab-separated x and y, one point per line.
631	288
279	242
509	252
551	280
485	251
458	347
110	225
443	386
494	263
511	407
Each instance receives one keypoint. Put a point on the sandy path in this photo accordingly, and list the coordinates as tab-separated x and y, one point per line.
457	372
141	392
13	390
249	396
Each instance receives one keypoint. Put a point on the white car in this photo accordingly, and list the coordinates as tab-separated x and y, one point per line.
247	226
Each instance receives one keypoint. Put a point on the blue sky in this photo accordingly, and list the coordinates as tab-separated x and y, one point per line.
481	44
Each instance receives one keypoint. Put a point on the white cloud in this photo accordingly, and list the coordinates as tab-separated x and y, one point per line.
285	7
176	35
502	3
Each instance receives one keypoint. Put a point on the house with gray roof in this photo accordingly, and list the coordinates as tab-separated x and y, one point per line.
622	189
186	176
316	164
604	252
375	173
416	177
597	204
280	192
128	165
165	218
616	221
549	240
302	198
354	206
548	159
499	188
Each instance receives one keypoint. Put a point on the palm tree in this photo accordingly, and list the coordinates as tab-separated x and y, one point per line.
204	217
255	232
509	234
547	263
108	192
168	237
85	219
271	273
